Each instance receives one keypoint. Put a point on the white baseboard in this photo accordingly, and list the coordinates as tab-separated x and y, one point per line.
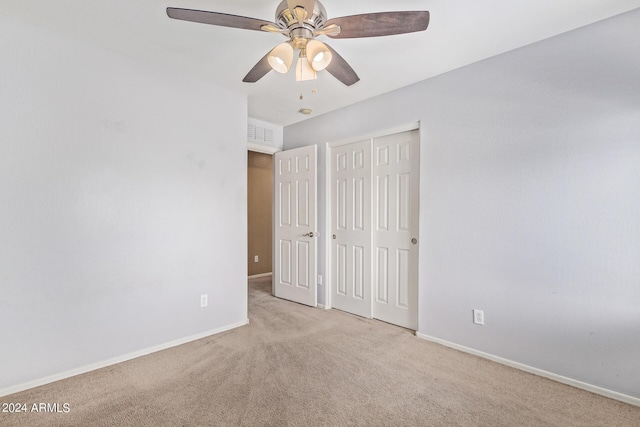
94	366
550	375
255	276
324	307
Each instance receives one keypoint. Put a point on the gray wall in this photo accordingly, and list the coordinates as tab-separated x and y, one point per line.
122	199
530	200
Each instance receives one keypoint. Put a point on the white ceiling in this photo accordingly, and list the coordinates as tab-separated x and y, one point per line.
460	32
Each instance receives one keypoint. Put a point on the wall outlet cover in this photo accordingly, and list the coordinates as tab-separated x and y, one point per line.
478	317
204	300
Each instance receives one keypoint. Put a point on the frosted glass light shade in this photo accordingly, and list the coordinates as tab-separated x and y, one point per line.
281	57
318	55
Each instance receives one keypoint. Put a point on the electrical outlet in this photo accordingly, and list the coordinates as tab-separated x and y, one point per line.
255	258
204	300
319	279
478	317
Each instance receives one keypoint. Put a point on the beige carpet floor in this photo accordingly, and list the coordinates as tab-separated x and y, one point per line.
299	366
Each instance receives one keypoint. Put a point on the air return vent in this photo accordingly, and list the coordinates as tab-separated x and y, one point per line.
263	136
259	134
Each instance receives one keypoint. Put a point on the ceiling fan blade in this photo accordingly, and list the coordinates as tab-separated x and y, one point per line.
380	24
259	70
220	19
340	69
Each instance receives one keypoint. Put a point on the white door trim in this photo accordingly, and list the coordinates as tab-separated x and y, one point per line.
328	225
258	148
376	134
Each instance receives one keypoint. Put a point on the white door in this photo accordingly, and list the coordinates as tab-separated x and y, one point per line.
351	228
395	257
295	231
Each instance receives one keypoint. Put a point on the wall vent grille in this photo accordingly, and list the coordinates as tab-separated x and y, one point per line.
260	134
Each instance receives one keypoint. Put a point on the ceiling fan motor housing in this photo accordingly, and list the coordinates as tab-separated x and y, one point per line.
286	19
299	37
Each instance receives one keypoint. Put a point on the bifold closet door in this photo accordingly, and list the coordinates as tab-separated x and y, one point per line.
351	228
395	228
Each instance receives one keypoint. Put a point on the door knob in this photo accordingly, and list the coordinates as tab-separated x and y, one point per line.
414	240
309	234
334	237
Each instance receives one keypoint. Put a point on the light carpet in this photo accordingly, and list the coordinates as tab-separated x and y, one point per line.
298	366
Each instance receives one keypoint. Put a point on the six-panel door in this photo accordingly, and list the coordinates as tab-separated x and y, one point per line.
395	224
295	225
351	228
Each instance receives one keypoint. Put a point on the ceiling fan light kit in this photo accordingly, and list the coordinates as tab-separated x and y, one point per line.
301	21
318	55
281	57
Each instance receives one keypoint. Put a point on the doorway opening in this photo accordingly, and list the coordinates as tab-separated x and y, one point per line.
259	214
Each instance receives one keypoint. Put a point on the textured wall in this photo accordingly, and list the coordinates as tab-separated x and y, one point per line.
122	200
529	203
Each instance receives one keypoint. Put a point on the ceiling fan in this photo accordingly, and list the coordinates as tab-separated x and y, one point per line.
301	21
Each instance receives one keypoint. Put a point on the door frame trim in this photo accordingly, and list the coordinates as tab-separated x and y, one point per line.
407	127
265	149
